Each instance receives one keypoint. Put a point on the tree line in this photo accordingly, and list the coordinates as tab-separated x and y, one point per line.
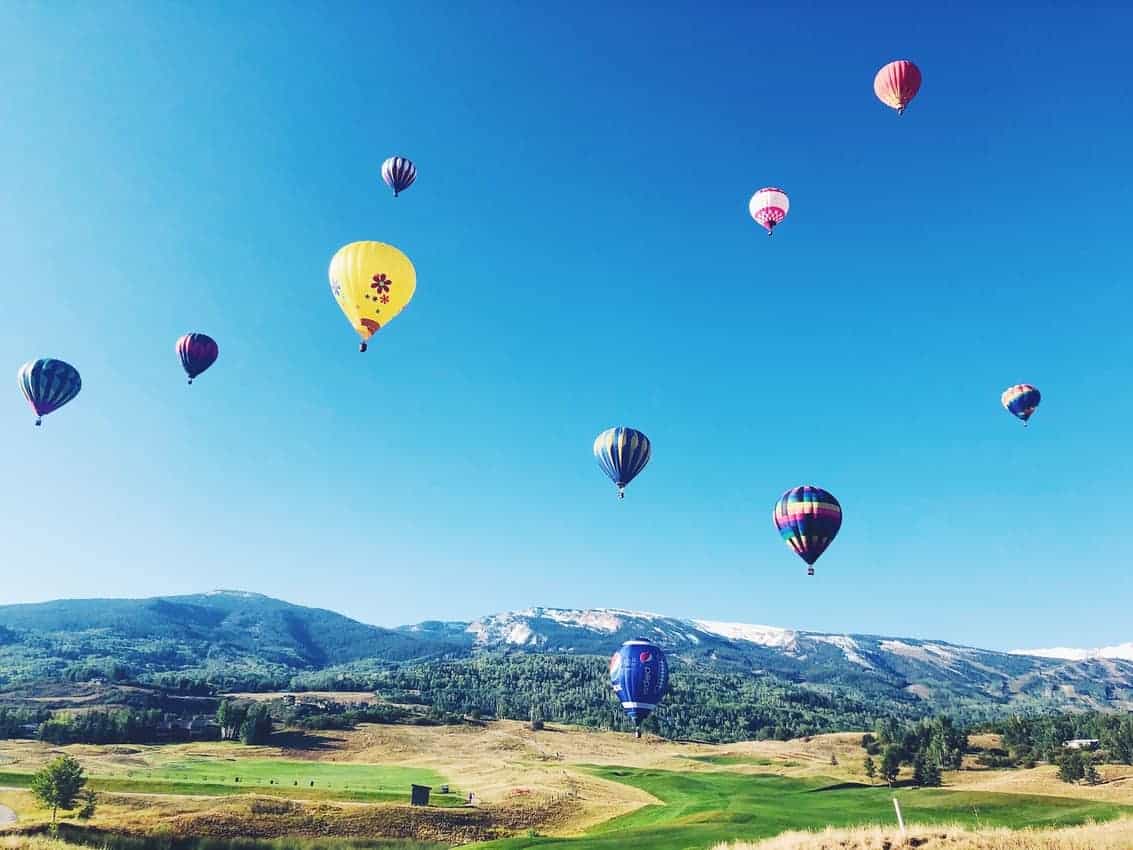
929	746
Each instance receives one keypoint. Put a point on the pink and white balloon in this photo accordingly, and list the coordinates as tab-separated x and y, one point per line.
768	207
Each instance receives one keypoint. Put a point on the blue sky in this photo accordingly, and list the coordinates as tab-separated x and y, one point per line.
584	258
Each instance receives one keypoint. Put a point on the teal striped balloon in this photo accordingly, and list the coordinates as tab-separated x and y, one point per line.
48	385
622	453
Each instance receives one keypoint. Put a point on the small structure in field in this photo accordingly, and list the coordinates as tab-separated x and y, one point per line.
419	795
1082	744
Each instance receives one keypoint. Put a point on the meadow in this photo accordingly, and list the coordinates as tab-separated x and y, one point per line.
560	788
314	780
703	809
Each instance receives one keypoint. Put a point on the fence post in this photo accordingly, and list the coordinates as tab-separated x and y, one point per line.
900	820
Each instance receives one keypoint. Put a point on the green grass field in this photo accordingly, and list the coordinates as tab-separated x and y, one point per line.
729	760
702	809
296	779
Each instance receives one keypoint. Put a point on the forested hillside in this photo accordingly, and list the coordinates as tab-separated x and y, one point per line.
729	680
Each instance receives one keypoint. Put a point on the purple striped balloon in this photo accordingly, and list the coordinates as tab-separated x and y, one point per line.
197	353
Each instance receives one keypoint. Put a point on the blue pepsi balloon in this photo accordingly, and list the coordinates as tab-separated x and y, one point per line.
622	453
48	384
639	675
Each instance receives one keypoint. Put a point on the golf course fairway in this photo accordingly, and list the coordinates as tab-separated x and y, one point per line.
703	808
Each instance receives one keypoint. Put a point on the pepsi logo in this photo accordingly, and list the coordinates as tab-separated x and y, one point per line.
646	657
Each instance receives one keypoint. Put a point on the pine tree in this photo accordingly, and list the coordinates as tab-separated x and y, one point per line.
1070	766
1091	775
891	764
870	768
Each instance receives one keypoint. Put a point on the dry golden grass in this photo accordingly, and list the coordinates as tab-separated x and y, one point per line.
342	697
1116	785
1116	835
33	842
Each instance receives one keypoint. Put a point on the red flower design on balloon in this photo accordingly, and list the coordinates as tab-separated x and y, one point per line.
385	299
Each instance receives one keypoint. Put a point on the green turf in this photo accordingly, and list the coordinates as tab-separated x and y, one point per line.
729	760
702	809
217	777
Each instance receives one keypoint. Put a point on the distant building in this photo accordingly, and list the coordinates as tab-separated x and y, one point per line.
1082	744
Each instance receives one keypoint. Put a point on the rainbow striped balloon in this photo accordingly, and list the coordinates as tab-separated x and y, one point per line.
1021	401
808	519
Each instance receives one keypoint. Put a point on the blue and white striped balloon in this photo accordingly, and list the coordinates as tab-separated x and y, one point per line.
399	174
622	453
48	385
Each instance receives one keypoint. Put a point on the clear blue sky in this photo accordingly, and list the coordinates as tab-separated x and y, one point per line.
585	258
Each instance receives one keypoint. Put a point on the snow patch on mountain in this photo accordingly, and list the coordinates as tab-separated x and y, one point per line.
599	619
1122	652
762	635
849	648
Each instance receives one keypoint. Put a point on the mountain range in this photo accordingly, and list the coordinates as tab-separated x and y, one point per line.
244	640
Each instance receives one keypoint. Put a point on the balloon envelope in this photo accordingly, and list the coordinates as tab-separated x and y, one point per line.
639	675
399	174
808	519
622	453
897	83
372	282
768	207
1021	400
197	352
48	385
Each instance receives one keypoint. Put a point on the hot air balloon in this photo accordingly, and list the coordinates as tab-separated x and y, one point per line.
622	453
48	385
897	83
197	353
639	675
1021	401
808	519
399	174
372	282
768	207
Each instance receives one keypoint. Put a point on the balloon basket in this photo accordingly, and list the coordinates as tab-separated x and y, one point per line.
38	422
362	347
810	571
637	733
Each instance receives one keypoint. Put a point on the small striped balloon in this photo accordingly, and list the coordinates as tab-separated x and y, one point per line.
768	207
197	352
897	83
1021	401
48	385
399	174
622	453
808	519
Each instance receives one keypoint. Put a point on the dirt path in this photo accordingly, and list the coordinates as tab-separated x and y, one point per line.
7	816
